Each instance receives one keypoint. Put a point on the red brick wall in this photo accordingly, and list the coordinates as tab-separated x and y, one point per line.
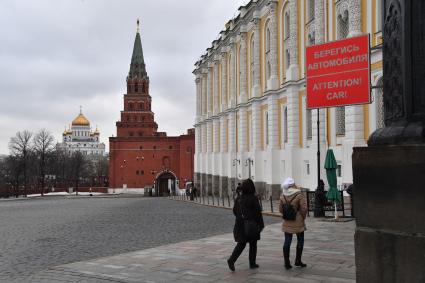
150	155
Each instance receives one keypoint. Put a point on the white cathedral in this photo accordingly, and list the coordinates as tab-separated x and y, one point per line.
80	137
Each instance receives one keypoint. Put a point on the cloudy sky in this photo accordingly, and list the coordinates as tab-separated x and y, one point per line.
56	55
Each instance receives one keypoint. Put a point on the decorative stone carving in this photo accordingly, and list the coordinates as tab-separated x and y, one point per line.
393	78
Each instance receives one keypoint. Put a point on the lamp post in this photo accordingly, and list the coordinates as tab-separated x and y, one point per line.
249	162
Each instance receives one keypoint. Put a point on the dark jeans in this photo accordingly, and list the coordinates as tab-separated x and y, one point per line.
239	249
288	240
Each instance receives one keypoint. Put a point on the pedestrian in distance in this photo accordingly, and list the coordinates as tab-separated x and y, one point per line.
293	206
248	224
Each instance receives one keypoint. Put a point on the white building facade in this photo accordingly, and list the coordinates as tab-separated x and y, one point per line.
251	118
80	137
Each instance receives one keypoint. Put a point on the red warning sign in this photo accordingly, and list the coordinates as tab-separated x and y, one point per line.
338	73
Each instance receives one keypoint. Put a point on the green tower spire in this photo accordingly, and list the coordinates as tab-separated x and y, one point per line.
137	66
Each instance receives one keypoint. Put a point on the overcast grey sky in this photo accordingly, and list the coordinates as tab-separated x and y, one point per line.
56	55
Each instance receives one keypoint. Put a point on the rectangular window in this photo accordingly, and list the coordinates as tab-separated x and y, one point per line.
307	167
339	170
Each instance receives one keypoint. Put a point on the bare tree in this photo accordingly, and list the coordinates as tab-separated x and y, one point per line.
43	146
20	147
79	167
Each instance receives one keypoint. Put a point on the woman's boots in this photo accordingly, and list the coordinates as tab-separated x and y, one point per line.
286	258
298	261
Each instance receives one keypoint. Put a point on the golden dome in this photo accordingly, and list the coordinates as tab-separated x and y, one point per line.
81	121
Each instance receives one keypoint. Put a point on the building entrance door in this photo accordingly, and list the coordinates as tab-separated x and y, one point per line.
165	184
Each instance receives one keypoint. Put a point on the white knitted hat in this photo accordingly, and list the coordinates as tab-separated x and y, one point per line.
289	182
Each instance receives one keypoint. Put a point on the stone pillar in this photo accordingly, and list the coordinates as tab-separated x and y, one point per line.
232	132
204	138
198	139
232	74
354	118
243	76
256	126
242	130
209	137
198	97
273	123
293	118
216	135
204	80
292	73
224	102
319	22
389	174
257	65
223	138
274	78
355	18
209	91
216	91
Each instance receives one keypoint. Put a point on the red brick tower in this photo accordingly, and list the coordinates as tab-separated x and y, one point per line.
140	156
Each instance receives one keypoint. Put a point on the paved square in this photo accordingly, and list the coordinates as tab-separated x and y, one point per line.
329	254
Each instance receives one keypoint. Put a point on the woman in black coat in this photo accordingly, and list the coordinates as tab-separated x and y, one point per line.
246	208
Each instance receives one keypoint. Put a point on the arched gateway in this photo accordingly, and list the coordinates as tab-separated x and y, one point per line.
165	183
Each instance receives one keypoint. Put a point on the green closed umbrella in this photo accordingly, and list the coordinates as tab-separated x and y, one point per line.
330	166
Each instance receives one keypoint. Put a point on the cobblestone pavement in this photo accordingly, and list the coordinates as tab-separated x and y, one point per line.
38	234
329	253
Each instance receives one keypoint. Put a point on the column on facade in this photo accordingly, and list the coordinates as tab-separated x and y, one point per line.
273	122
256	126
319	16
274	79
198	97
209	136
242	130
354	122
204	90
243	76
216	91
232	75
232	132
293	71
198	138
209	90
223	137
204	137
355	16
224	80
293	119
257	66
216	135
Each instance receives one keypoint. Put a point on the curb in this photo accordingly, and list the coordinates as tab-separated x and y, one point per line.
266	213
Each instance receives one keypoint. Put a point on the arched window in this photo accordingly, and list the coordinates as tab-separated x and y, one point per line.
130	106
379	106
287	25
143	88
240	69
136	88
343	25
311	39
310	10
267	54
